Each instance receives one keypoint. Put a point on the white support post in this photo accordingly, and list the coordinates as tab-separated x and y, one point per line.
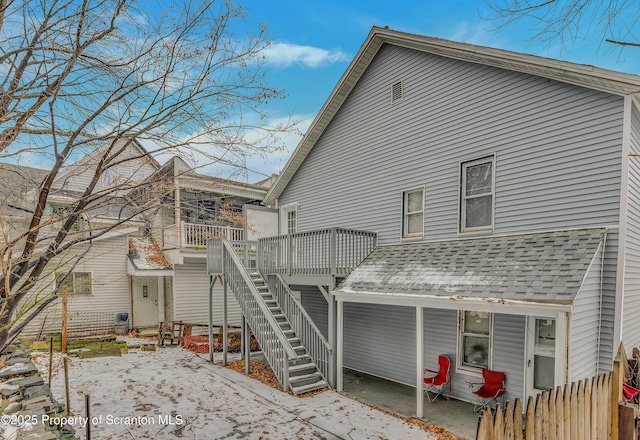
339	346
419	361
247	346
161	317
332	339
562	332
225	330
212	282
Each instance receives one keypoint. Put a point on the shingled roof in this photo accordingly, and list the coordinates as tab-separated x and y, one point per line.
544	267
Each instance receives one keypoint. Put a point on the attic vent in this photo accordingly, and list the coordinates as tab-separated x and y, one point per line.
396	92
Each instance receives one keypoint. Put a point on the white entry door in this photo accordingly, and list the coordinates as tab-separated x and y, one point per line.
541	355
145	301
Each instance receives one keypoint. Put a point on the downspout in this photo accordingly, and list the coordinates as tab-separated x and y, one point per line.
604	241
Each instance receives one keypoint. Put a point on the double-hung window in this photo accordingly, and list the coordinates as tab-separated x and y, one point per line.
413	213
477	195
475	340
75	283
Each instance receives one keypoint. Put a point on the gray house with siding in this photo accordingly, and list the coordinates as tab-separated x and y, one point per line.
504	193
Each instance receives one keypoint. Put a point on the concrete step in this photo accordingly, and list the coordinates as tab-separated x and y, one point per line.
300	368
310	387
304	379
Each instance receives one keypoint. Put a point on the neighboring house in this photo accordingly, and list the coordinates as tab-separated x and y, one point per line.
505	197
152	266
98	287
189	209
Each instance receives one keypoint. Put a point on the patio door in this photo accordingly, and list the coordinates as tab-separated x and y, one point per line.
541	362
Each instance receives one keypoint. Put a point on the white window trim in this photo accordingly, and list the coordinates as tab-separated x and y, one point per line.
91	284
466	369
461	189
403	224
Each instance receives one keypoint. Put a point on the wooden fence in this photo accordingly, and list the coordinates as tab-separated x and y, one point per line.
585	410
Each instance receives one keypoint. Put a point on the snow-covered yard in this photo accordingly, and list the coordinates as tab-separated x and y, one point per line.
173	393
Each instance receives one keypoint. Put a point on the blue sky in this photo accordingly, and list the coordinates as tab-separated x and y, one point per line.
314	42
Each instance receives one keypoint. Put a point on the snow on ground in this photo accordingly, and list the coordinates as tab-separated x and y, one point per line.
173	393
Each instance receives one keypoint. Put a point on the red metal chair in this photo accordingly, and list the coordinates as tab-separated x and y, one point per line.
491	390
437	383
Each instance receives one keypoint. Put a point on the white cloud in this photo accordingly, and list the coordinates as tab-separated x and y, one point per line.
474	33
287	54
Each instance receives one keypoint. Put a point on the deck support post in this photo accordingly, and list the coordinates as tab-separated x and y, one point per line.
212	282
246	346
419	361
332	339
225	330
339	346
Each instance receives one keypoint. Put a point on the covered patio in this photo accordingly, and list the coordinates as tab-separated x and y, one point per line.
406	304
455	415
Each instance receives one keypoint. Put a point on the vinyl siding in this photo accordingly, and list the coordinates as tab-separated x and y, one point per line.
316	306
95	313
191	296
557	149
583	355
631	300
380	340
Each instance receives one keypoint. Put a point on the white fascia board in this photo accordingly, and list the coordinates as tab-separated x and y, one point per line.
115	233
132	270
491	305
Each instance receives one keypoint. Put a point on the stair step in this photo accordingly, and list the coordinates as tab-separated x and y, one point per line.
302	367
305	377
310	387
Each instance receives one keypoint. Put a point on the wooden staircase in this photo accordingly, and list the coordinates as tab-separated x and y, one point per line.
304	375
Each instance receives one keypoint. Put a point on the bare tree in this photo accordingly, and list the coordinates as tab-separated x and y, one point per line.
86	79
612	21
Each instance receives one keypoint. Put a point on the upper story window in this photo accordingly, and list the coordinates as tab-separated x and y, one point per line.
475	340
289	218
75	283
413	213
292	221
477	195
61	212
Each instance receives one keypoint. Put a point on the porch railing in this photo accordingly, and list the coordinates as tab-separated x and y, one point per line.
275	346
334	251
196	235
310	336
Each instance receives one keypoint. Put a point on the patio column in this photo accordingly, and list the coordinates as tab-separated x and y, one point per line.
339	345
161	317
419	361
212	282
332	339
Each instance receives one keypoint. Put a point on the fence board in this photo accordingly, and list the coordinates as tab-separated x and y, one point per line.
552	415
517	420
594	409
485	428
498	424
559	414
587	410
580	404
509	433
529	424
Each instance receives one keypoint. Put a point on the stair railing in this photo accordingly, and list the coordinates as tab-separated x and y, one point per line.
317	346
275	346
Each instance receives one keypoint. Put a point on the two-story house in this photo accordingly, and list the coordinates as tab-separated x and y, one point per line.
152	265
504	192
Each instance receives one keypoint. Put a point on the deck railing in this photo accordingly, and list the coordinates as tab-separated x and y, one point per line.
334	251
310	336
196	235
276	348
